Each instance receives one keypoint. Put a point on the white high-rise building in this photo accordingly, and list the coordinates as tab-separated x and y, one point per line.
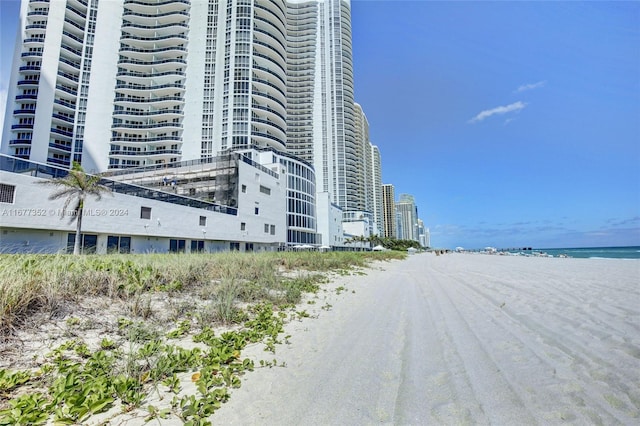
117	84
408	216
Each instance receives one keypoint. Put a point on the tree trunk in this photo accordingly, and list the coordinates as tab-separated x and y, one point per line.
76	245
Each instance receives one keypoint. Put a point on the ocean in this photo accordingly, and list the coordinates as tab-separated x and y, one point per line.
594	252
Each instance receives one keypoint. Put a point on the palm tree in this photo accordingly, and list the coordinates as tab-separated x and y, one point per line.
77	186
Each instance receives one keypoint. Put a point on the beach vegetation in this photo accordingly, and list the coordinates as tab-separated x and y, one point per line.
164	321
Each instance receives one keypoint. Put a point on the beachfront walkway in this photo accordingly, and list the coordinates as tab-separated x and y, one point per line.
460	339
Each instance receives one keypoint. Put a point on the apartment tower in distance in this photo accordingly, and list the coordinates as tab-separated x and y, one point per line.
389	211
408	217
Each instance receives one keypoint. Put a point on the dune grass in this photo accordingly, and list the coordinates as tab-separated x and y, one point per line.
44	283
145	350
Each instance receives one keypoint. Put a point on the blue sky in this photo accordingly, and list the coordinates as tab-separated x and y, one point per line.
511	123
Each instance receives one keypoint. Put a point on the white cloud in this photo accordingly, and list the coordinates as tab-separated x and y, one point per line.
516	106
531	86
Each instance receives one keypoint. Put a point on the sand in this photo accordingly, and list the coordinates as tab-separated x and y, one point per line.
459	339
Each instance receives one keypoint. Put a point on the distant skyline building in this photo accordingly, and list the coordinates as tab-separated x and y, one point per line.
389	211
424	236
408	212
374	187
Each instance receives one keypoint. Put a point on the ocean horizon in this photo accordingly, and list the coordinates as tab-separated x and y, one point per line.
627	252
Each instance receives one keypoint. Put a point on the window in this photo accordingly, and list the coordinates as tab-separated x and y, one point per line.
203	221
176	246
197	246
145	212
243	226
88	243
7	193
116	244
257	210
266	228
265	190
244	189
273	230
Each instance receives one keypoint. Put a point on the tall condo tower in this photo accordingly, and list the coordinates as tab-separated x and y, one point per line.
320	125
389	211
45	118
408	215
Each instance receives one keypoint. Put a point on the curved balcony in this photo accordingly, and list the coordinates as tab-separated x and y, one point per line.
266	108
280	99
26	97
67	78
65	105
265	35
57	117
269	63
64	133
163	41
156	152
166	101
158	89
62	161
72	39
268	26
135	52
27	55
23	126
33	42
153	30
265	139
272	125
64	148
167	77
68	66
20	142
264	73
160	18
70	52
34	27
29	69
269	50
262	11
73	27
78	13
162	6
80	4
28	83
38	13
165	114
161	65
147	140
167	127
24	111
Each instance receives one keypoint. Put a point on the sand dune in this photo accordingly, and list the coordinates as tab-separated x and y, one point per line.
460	339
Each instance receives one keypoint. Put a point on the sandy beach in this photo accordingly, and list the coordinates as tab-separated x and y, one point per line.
459	339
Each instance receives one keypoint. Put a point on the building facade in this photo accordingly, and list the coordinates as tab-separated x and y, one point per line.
408	213
119	84
389	211
143	214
